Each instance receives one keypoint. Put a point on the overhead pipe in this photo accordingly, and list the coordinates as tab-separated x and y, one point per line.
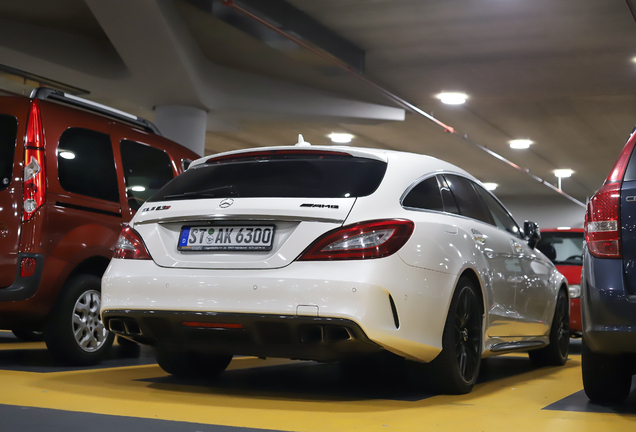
399	100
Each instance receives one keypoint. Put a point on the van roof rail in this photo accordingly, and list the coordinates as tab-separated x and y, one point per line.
48	93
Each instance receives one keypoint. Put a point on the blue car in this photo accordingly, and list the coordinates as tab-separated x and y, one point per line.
608	284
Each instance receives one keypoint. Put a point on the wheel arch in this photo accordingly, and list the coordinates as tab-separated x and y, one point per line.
471	274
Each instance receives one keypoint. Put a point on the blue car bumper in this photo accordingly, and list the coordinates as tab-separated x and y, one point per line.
608	311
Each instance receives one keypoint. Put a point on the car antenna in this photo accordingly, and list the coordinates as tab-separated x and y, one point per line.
301	141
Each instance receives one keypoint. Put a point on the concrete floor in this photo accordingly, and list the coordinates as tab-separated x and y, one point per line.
131	393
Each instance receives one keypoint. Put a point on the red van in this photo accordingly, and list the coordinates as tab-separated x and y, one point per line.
72	173
564	246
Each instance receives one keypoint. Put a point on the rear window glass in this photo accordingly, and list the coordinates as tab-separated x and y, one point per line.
278	176
630	171
563	248
8	133
86	165
146	170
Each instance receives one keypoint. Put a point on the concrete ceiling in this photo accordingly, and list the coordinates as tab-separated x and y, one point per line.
557	72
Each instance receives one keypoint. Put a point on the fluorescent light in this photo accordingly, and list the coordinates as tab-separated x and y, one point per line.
633	59
520	143
67	154
564	228
490	186
138	188
563	172
452	98
340	137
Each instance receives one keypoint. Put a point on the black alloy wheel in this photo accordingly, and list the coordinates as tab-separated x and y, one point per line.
556	354
467	334
456	368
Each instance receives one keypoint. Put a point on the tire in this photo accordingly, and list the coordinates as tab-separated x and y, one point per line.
27	335
556	353
74	333
187	364
455	369
606	378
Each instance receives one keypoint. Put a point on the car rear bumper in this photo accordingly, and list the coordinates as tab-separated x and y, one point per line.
297	337
396	306
608	312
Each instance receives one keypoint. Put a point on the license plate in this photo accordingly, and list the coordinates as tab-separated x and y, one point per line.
226	238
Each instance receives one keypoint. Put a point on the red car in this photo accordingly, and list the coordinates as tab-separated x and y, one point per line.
564	246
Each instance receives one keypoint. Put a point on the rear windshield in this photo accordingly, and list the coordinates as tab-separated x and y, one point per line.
278	176
8	133
563	248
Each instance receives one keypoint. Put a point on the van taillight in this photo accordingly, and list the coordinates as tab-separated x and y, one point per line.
34	187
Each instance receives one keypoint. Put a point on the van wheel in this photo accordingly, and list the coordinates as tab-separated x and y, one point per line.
75	333
187	364
456	368
556	353
606	378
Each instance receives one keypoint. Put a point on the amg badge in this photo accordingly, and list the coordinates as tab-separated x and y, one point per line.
331	206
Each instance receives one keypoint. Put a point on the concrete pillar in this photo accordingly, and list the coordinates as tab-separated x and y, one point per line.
183	124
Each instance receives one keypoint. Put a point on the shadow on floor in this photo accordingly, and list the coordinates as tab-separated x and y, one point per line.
36	358
387	379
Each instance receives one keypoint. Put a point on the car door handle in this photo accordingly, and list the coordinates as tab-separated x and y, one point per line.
478	237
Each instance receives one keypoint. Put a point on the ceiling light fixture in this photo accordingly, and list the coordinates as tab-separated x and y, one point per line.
490	186
452	98
561	173
520	143
340	138
564	228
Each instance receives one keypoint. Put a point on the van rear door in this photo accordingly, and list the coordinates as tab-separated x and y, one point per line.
13	115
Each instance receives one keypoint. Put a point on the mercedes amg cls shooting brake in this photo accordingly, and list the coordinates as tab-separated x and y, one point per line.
326	253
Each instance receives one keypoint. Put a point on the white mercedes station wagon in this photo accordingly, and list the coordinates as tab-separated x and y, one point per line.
325	253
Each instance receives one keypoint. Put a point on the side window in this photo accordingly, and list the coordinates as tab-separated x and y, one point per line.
501	217
469	202
8	132
86	165
146	170
425	195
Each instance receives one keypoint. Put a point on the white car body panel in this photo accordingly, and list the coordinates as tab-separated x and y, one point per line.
420	277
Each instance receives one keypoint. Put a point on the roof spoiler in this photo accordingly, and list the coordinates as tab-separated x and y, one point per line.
44	93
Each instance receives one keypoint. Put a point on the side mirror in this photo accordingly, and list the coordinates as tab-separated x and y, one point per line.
532	232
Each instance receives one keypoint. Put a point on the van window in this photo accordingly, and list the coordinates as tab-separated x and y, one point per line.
146	170
8	134
86	165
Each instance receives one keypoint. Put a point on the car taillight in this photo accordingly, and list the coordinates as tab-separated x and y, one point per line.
602	218
34	188
364	240
602	224
130	245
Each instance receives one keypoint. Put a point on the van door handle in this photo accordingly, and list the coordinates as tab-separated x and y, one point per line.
478	237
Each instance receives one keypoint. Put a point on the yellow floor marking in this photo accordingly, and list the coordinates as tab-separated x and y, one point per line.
515	402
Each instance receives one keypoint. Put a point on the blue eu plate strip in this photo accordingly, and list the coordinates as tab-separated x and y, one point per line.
185	233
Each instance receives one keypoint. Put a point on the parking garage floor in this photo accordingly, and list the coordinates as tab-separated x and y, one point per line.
129	392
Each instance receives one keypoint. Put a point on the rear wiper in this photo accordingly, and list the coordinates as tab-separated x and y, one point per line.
207	193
